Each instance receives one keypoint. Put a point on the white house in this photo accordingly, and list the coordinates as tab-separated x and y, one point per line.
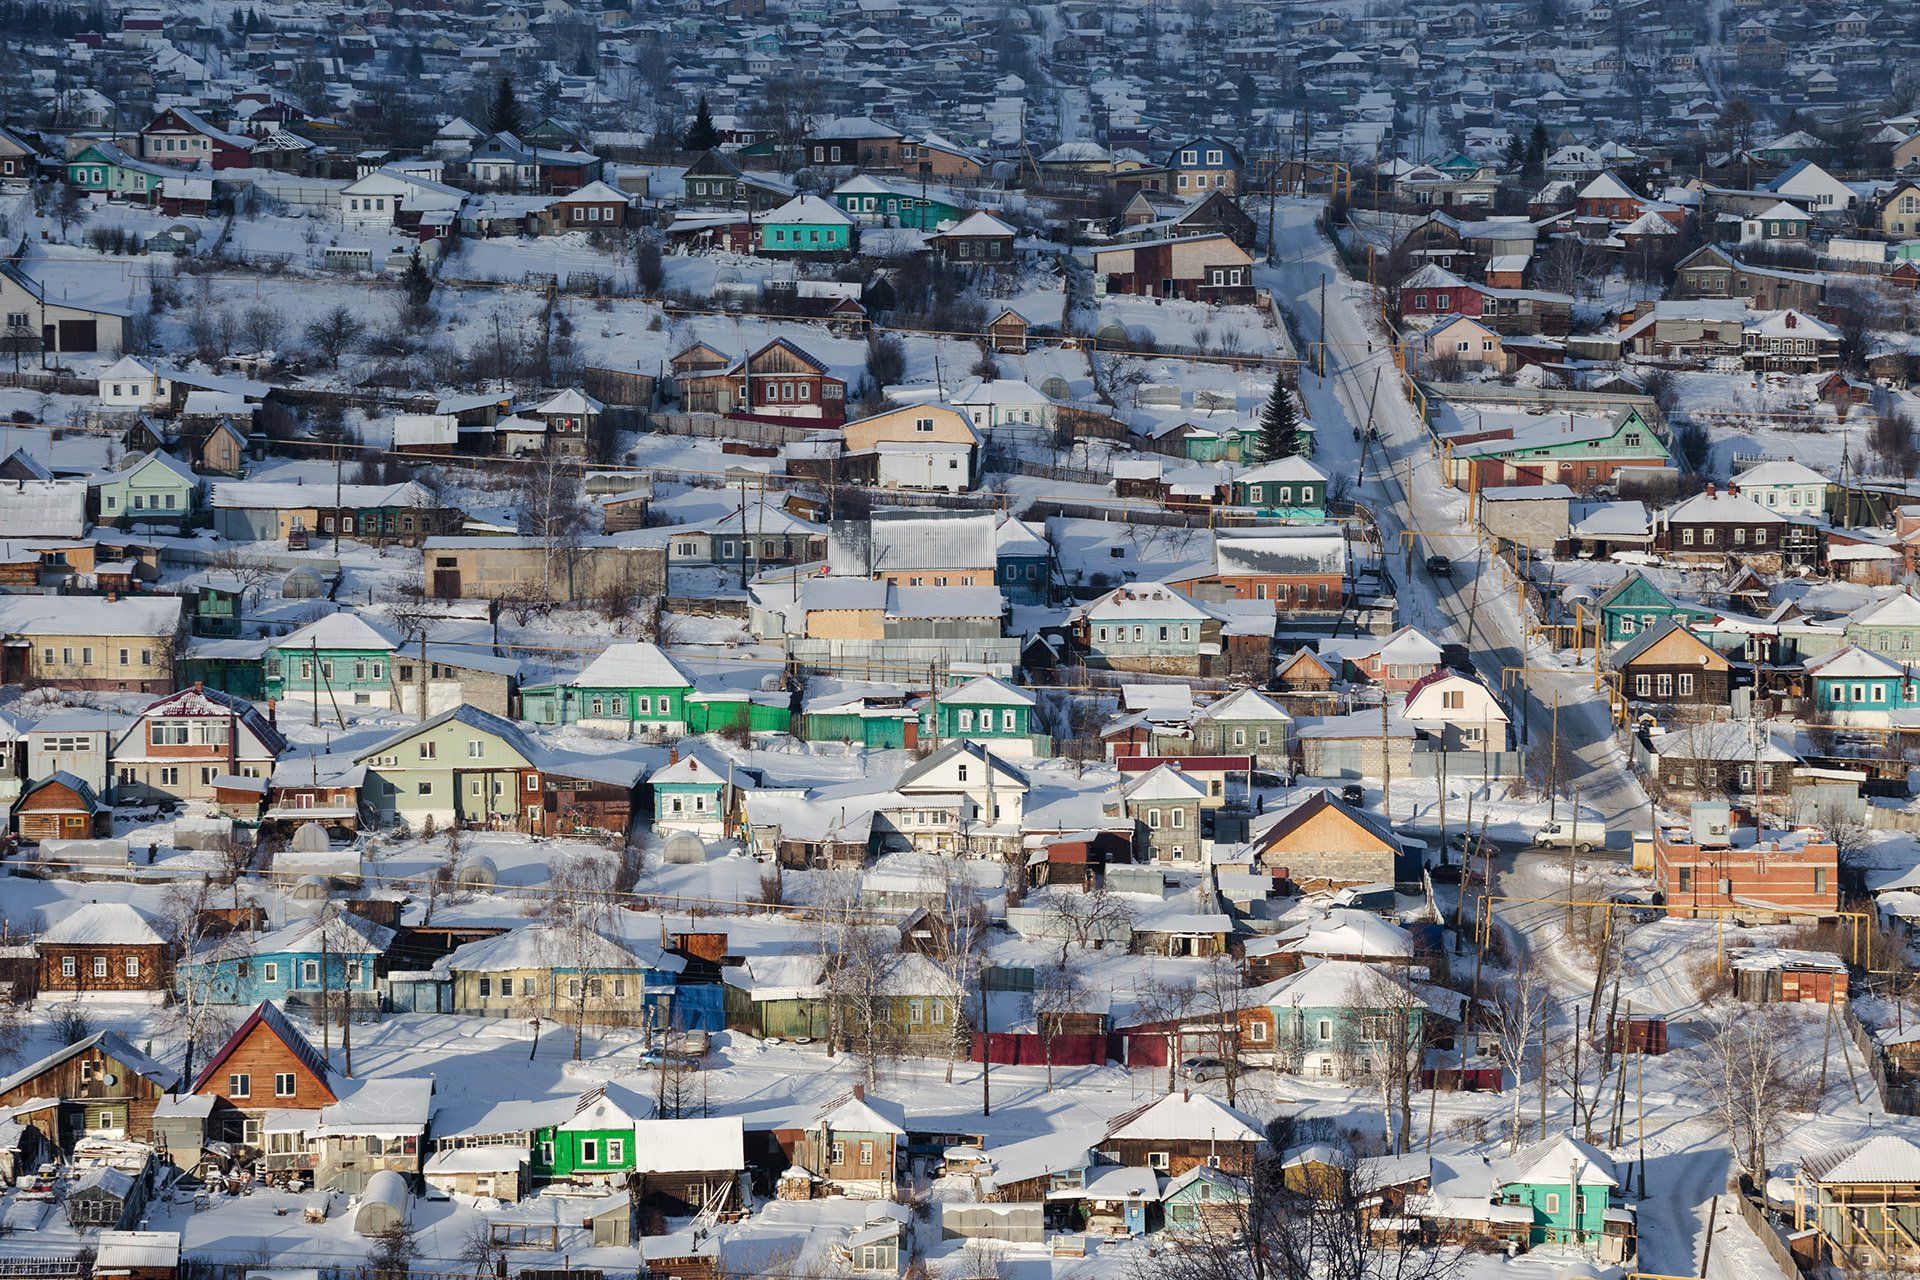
1788	487
996	790
1459	710
137	384
942	465
1806	183
378	199
1005	403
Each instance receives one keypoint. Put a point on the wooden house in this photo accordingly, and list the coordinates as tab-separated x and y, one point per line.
266	1065
1670	665
1780	975
1323	842
1203	268
97	1087
1182	1131
61	807
106	949
852	1146
1007	332
1860	1202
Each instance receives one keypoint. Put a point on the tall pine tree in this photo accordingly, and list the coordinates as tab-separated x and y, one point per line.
504	115
701	135
1279	424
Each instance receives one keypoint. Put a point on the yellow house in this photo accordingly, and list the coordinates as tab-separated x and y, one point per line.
1900	211
86	642
914	424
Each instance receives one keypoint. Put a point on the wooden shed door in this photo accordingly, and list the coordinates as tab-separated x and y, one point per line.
79	335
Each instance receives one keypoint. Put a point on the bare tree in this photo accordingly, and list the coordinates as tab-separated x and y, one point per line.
1090	919
1220	990
1753	1078
580	916
959	922
1058	993
1518	1009
861	985
1259	1228
1393	1024
202	942
552	510
333	334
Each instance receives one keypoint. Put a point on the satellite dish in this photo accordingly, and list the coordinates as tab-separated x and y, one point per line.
311	838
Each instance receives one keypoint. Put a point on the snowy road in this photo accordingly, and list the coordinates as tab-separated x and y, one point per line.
1419	516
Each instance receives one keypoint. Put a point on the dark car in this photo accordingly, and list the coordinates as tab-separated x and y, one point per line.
1353	793
1440	566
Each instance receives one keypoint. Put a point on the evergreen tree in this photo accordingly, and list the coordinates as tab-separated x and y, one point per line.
701	135
504	115
417	282
1536	164
1279	424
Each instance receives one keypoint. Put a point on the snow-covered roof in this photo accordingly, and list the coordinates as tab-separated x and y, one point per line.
1190	1116
105	924
634	664
342	631
1883	1158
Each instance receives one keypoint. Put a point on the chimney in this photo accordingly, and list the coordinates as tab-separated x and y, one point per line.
673	755
1711	491
196	687
859	1093
1733	490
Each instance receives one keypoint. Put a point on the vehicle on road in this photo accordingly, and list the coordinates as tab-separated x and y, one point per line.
1440	566
1354	794
1586	836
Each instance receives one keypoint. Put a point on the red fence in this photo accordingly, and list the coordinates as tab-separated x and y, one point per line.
1028	1049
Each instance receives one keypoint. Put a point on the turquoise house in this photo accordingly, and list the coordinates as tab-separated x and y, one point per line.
152	488
876	202
1288	488
806	226
338	954
696	793
1570	1186
1201	1198
1860	687
342	658
635	688
877	719
104	168
1325	1018
1147	627
1634	604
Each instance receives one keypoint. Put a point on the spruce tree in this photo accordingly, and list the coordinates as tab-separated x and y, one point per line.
1279	424
701	135
417	282
504	115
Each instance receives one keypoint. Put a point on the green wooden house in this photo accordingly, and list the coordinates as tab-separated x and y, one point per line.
1245	722
1634	604
806	226
877	202
634	687
1570	1186
151	488
1288	488
343	658
987	710
776	997
595	1144
104	168
1238	442
1201	1199
1858	686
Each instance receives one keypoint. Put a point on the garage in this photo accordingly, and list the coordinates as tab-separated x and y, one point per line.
79	335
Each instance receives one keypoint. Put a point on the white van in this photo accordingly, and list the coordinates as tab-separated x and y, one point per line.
1585	836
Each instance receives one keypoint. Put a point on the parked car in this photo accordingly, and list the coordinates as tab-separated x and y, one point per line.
1200	1067
678	1047
1440	566
1354	794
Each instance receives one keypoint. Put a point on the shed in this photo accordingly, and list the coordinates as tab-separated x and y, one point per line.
137	1255
382	1207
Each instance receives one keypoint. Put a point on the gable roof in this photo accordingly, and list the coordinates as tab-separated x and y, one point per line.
105	923
1884	1157
961	746
269	1017
110	1043
1633	649
633	664
1319	802
1185	1115
473	717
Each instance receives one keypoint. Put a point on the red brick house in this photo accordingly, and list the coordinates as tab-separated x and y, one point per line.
1726	874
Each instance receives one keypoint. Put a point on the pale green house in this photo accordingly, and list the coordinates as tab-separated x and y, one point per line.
464	765
634	688
1571	1187
152	488
102	167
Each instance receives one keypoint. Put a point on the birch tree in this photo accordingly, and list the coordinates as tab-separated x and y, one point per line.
1518	1009
1753	1079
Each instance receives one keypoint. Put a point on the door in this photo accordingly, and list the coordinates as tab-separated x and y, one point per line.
79	335
446	583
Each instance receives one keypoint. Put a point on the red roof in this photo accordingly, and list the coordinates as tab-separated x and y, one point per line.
269	1016
1186	764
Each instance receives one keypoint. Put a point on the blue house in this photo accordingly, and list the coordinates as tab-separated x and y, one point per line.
337	952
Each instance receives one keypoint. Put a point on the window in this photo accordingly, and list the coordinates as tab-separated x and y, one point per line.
866	1152
99	966
486	987
133	966
1553	1202
1325	1030
283	1084
429	750
67	969
270	971
616	1150
589	1151
240	1085
1158	1160
1177	818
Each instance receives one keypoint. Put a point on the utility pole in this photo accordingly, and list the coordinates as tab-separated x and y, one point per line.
1553	764
316	681
337	464
423	666
986	1049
